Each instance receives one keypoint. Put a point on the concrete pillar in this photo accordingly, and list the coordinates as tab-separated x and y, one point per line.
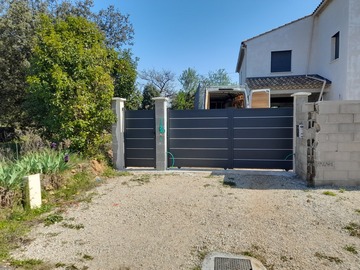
32	191
299	100
161	132
118	129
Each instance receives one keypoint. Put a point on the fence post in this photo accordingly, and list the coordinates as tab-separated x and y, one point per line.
118	129
299	119
161	132
32	191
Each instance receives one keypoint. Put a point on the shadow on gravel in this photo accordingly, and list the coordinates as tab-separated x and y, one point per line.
253	179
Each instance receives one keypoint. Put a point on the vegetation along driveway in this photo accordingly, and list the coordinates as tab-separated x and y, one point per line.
172	220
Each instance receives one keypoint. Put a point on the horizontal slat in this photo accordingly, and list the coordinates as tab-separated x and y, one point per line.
203	143
196	153
263	164
264	144
263	133
263	154
198	133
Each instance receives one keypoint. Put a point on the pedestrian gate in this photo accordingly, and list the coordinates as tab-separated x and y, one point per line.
229	138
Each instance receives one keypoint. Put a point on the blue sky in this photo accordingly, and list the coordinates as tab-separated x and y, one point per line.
202	34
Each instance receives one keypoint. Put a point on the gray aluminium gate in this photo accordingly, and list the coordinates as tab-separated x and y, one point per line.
263	138
247	138
140	138
198	138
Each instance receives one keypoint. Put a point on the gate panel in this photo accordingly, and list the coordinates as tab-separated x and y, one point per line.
263	138
198	138
140	138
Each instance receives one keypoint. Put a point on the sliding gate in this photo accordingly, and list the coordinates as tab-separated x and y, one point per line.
248	138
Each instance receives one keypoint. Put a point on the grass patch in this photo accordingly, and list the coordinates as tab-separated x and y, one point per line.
342	190
73	226
351	249
16	221
228	183
357	211
322	256
141	179
258	253
329	193
87	257
353	229
52	219
111	173
26	264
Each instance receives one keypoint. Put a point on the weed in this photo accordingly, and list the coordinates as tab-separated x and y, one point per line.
229	183
141	179
52	219
353	229
329	193
342	190
351	248
329	258
111	173
87	257
26	264
207	185
59	264
73	226
357	211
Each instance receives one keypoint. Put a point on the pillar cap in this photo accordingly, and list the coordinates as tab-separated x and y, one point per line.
119	98
160	98
301	94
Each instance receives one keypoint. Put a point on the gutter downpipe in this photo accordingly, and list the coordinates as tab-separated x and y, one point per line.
308	63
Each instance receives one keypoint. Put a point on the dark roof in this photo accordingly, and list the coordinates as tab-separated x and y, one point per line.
287	82
320	6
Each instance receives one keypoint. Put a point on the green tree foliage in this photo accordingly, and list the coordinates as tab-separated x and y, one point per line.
150	91
70	86
217	78
184	99
16	32
18	22
124	75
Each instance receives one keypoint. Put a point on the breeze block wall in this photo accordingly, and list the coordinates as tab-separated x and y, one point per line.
332	143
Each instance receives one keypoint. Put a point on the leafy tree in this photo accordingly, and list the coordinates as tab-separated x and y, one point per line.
18	21
217	78
150	91
16	32
70	87
184	99
163	81
124	75
116	26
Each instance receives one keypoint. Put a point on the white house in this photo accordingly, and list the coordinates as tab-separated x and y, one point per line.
319	53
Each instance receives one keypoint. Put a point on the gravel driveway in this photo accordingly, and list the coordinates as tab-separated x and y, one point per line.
172	220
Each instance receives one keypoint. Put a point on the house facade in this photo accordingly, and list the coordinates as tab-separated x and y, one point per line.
319	53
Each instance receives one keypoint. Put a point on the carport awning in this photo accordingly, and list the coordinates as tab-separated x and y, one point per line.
297	82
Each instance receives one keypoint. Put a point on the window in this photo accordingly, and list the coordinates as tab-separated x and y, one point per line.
335	46
281	61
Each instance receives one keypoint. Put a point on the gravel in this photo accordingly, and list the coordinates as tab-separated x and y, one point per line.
172	220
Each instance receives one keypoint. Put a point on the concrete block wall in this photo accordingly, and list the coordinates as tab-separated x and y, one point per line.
332	139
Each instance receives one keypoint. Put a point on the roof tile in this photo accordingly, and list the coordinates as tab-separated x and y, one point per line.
286	82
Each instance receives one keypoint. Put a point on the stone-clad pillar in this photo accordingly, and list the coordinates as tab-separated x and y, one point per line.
118	129
161	132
